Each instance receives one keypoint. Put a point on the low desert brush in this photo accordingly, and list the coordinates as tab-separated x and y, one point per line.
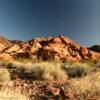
46	70
76	69
4	74
42	70
7	94
90	83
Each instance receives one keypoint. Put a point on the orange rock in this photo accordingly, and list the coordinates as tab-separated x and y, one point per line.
55	48
6	57
54	91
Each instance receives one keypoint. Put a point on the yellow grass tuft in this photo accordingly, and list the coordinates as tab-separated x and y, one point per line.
42	70
4	74
90	83
6	94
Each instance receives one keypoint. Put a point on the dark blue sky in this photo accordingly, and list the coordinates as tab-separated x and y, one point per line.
25	19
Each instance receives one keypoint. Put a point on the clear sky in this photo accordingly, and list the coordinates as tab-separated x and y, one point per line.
26	19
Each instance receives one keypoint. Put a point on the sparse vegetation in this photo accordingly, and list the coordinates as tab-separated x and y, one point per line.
84	77
46	70
7	94
76	72
41	70
4	74
87	86
76	69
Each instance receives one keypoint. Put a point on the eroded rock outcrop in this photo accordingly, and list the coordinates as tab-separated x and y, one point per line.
49	48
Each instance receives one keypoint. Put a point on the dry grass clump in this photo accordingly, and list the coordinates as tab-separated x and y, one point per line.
77	64
25	59
7	94
20	66
89	83
42	70
76	69
46	70
4	74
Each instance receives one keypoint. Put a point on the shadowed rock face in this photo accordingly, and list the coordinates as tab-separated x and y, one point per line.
95	48
55	48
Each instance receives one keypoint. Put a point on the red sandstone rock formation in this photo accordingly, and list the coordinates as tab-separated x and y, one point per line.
55	48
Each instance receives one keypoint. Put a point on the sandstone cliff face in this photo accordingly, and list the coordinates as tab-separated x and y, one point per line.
49	48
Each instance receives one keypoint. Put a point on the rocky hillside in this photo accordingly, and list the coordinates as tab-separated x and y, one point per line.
56	48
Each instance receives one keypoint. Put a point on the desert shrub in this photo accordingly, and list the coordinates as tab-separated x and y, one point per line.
7	94
42	70
75	69
87	87
24	59
90	83
46	70
91	62
51	70
97	65
76	72
4	74
33	59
